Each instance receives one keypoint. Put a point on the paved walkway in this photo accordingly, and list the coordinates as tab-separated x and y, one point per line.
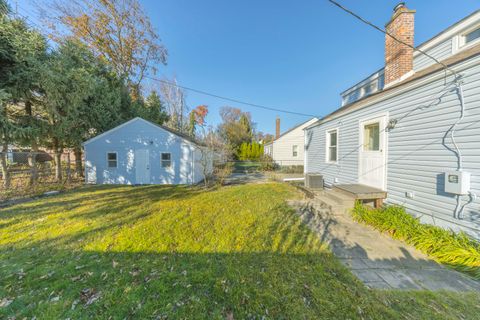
377	259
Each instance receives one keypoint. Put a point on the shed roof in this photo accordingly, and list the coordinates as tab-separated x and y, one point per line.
175	132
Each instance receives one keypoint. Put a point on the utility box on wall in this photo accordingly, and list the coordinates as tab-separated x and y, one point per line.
457	182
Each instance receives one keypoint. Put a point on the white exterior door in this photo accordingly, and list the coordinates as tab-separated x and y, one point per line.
142	166
372	166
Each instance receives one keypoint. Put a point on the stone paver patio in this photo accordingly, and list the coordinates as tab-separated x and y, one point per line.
375	258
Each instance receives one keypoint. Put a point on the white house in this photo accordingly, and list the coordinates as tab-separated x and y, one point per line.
140	152
288	148
412	129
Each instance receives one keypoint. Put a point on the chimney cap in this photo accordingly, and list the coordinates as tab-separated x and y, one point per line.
398	6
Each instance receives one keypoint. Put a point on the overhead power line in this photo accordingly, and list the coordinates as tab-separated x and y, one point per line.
392	36
230	99
204	92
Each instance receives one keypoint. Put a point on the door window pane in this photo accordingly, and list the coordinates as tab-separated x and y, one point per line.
371	137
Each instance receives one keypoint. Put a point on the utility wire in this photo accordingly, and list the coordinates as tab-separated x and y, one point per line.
393	37
231	99
207	93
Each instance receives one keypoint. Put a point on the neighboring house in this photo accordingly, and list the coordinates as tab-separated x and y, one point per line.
140	152
288	148
398	130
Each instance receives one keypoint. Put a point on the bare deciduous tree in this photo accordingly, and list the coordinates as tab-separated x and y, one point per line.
174	99
212	151
117	30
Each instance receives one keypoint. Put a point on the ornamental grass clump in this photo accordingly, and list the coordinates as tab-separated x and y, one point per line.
456	250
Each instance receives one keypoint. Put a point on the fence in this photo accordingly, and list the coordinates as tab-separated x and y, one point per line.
25	173
277	166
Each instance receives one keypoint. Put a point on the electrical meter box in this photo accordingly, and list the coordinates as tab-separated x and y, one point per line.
457	182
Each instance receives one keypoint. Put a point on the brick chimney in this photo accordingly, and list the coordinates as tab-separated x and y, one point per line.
399	57
277	128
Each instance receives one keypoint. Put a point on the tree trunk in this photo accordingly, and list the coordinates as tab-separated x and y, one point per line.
69	174
32	155
3	161
58	160
78	162
32	162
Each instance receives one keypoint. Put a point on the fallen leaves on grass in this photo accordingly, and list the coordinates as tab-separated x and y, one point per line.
5	302
89	296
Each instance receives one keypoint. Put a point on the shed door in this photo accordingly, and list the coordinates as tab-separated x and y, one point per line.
142	166
372	153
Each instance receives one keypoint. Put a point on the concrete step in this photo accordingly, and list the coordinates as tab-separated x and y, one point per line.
340	197
335	200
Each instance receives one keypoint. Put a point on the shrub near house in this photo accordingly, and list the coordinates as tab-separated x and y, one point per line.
453	249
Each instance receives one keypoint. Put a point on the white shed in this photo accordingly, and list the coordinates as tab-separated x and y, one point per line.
141	152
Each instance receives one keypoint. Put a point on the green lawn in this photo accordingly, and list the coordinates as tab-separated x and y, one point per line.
179	252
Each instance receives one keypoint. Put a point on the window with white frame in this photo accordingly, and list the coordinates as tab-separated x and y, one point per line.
112	159
166	160
294	150
332	146
472	35
468	37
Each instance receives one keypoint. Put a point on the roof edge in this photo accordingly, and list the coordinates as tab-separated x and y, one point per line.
295	127
435	69
178	134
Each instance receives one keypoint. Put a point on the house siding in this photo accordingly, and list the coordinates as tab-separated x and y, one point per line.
439	52
417	150
282	148
139	134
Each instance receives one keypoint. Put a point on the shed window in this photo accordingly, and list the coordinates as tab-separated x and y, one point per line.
473	35
166	160
112	159
332	145
295	151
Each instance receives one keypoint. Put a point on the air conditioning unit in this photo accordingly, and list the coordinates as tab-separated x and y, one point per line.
314	181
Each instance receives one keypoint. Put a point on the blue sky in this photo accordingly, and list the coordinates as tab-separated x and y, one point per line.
293	55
